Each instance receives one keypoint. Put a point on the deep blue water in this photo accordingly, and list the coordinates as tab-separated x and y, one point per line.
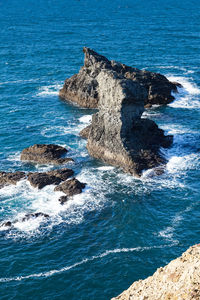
121	228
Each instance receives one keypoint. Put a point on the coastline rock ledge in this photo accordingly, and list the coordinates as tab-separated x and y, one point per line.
179	280
83	88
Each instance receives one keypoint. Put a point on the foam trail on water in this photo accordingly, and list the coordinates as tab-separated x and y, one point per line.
72	128
67	268
168	232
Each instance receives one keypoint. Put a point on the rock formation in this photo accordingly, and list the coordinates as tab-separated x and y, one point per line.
70	187
7	178
45	154
118	135
83	88
179	280
40	180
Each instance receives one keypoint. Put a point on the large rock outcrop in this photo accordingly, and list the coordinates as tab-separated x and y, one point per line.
118	135
83	88
179	280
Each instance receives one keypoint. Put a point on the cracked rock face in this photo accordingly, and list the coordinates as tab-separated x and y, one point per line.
117	134
83	88
179	280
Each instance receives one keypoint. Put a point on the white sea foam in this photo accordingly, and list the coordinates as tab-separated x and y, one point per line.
53	131
188	96
86	119
182	163
105	168
14	157
84	261
169	231
71	128
189	86
23	198
50	90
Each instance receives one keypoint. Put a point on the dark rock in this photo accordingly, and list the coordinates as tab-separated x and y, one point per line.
63	199
40	180
63	174
118	135
70	187
10	178
6	224
83	88
34	215
85	132
45	154
178	84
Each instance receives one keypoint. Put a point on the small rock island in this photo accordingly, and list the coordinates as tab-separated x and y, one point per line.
118	134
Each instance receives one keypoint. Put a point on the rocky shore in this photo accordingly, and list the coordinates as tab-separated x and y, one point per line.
179	280
62	178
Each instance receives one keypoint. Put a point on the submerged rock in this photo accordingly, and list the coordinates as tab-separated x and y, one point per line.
45	154
63	199
34	215
40	180
70	187
11	178
24	219
117	134
83	88
179	280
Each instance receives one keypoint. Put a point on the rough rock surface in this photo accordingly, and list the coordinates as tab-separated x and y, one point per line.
84	133
179	280
70	187
83	88
45	154
10	178
40	180
117	134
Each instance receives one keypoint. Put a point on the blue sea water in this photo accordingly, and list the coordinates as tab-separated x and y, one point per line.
120	229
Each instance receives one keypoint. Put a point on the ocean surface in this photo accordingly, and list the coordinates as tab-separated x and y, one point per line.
120	229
